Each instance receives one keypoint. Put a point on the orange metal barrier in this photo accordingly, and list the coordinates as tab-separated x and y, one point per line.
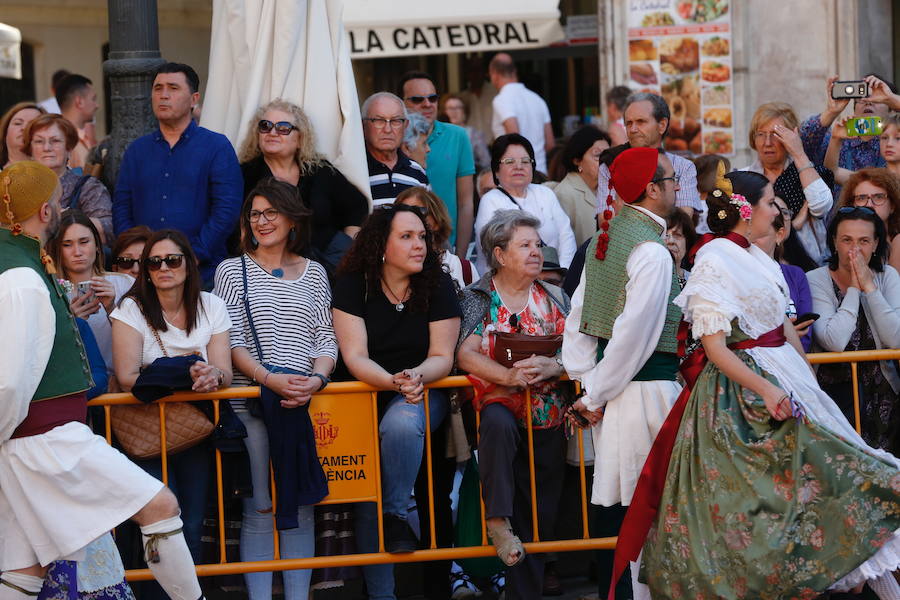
340	392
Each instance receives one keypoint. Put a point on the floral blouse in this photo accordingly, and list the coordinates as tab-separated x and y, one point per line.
540	317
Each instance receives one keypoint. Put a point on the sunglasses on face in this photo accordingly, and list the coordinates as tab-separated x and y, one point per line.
173	261
281	127
420	99
125	262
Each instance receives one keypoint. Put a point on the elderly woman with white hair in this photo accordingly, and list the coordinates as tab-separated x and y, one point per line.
511	299
283	146
415	139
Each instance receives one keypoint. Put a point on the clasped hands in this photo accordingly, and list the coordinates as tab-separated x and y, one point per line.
295	390
408	382
206	377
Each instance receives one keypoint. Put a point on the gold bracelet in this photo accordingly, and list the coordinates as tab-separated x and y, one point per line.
253	377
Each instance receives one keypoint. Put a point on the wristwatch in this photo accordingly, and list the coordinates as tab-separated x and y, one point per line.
559	361
324	379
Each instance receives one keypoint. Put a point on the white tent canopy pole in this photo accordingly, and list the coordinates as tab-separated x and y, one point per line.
10	52
383	28
295	50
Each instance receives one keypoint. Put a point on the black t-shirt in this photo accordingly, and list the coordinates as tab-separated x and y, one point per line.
396	340
335	202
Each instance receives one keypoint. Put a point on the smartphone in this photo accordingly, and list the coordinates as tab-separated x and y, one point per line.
85	289
844	90
865	126
810	316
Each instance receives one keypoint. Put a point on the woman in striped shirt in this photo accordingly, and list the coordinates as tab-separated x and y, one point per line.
284	321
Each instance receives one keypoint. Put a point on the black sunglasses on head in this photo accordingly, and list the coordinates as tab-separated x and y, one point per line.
420	210
847	210
281	127
173	261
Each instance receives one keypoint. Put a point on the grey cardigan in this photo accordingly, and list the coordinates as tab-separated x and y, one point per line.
476	301
837	322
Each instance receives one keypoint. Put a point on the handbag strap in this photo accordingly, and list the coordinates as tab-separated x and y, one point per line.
510	196
156	336
259	352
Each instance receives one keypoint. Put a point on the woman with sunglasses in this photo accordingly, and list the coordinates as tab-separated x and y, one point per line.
512	162
858	298
283	146
396	317
166	314
284	321
78	255
879	189
127	250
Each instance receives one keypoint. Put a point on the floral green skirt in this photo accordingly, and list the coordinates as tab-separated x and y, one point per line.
761	509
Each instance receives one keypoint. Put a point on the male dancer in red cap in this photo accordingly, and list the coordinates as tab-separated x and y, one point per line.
620	336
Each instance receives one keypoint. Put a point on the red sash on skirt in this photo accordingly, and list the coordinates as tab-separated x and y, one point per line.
648	492
44	415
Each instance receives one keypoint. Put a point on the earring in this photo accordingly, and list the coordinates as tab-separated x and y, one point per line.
382	259
580	170
292	235
253	241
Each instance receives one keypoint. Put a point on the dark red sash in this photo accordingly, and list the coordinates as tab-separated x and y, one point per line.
47	414
645	502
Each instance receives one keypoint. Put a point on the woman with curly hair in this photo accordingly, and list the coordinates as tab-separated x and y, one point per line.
396	317
284	146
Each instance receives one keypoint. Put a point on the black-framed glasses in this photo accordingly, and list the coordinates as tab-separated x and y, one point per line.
420	99
877	199
674	178
382	123
849	210
126	262
173	261
270	214
419	210
281	127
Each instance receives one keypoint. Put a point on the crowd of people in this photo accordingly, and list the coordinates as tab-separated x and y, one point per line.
517	263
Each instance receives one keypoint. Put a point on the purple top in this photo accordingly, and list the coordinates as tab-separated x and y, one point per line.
798	287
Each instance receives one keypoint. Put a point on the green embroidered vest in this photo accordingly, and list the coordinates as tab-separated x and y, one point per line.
605	280
67	371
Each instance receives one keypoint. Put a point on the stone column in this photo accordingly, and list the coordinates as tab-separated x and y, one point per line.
133	58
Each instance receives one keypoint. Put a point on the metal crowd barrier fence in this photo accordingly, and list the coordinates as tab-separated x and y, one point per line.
351	408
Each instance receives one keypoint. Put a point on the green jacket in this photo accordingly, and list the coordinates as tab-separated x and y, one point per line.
67	371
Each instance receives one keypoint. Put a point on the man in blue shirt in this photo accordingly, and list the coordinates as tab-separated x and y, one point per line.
450	162
181	176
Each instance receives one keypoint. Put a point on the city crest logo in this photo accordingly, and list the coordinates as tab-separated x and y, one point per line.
325	433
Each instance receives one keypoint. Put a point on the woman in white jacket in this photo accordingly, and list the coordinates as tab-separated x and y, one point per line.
512	162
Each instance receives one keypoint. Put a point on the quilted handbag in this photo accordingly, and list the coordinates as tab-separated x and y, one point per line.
137	426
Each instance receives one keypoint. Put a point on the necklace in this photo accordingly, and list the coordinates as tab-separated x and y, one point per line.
173	317
400	305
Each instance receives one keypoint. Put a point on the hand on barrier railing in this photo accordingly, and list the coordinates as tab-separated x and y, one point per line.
409	383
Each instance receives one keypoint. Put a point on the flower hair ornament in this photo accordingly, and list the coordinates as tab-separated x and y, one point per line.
723	186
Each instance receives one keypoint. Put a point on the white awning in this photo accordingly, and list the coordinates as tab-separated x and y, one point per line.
10	52
382	28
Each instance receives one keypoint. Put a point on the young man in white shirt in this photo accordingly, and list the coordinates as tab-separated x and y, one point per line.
519	110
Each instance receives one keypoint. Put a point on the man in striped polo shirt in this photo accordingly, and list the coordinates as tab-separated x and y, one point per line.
390	171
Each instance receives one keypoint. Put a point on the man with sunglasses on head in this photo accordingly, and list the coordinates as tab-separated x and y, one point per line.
181	176
390	171
856	152
451	164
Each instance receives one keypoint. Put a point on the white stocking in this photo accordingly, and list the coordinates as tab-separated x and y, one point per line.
169	559
885	586
18	586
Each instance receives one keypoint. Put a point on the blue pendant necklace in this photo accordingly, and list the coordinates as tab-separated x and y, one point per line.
279	273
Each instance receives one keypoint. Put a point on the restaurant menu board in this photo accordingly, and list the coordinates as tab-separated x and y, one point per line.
681	49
